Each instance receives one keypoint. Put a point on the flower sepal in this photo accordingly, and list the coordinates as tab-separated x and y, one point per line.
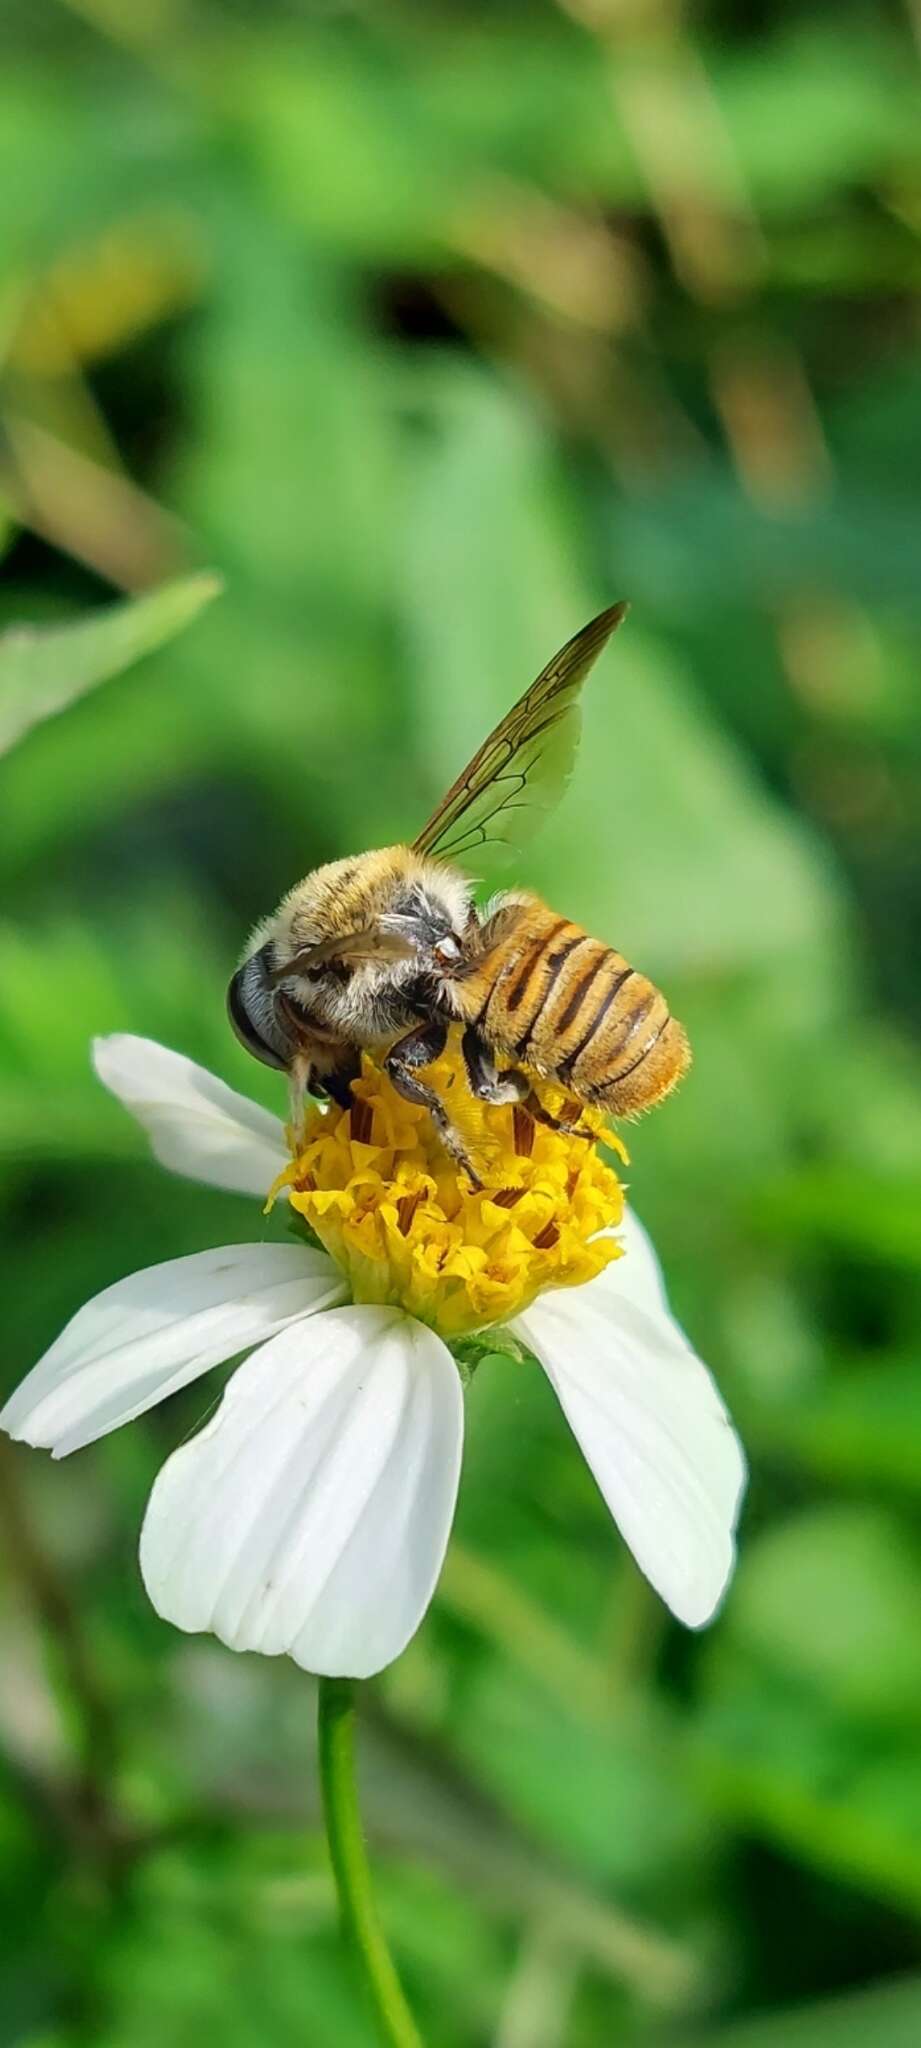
297	1227
469	1352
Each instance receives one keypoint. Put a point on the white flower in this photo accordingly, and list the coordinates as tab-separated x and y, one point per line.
312	1513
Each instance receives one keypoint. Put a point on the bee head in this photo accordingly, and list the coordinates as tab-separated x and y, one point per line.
255	1015
342	950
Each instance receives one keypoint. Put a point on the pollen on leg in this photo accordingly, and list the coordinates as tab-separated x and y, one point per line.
376	1185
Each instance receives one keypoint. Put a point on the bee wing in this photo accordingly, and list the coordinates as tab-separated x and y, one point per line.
373	943
522	769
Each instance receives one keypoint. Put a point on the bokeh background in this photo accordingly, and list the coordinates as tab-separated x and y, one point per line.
432	328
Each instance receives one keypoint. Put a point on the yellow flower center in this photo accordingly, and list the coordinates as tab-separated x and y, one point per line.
377	1187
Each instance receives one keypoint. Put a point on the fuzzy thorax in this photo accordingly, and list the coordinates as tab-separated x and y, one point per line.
375	1185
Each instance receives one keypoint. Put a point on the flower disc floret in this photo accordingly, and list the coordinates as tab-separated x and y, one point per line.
407	1226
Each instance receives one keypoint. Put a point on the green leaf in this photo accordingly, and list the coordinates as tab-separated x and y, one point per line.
864	1214
888	2015
42	670
863	1424
830	1597
781	1765
604	1797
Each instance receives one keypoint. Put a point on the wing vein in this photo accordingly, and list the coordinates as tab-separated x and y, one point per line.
508	781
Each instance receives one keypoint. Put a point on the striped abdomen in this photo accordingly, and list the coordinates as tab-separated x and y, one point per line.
556	1000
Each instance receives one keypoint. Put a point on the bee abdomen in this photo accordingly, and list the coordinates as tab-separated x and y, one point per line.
577	1012
634	1052
523	980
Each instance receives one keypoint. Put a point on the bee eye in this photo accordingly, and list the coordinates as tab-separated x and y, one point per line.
447	952
239	1001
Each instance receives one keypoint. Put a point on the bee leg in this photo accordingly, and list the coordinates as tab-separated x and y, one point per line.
337	1081
512	1086
418	1049
535	1108
485	1081
298	1085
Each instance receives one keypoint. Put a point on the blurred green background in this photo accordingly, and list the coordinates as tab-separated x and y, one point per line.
432	328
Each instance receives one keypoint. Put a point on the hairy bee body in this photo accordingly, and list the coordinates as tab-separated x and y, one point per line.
366	949
383	952
552	998
341	965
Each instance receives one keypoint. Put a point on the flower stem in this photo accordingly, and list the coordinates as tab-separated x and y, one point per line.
336	1731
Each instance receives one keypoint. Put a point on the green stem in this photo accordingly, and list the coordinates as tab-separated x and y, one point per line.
336	1731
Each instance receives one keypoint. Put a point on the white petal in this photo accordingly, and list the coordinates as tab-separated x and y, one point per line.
312	1514
637	1273
157	1331
654	1431
196	1124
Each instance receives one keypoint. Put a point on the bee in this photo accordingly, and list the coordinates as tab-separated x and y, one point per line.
384	951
